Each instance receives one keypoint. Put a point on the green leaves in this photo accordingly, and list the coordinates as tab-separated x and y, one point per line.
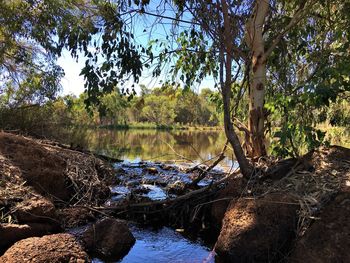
294	140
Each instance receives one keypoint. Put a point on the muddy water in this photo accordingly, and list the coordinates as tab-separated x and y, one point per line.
164	245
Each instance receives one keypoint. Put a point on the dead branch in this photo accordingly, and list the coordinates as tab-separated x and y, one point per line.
217	161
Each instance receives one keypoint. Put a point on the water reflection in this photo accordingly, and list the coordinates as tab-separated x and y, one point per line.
153	145
164	245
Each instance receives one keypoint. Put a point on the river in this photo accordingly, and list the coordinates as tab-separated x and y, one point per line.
136	145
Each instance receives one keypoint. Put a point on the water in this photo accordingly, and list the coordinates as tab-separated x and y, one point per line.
154	181
164	245
135	145
166	152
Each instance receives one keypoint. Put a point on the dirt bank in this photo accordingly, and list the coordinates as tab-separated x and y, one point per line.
299	216
42	186
63	175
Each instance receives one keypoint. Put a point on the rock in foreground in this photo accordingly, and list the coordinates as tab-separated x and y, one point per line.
58	248
257	230
108	238
36	210
11	233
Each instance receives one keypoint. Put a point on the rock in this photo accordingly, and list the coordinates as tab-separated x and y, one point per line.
108	238
38	210
257	230
234	188
178	187
75	216
151	170
11	233
132	183
120	171
328	239
58	248
167	167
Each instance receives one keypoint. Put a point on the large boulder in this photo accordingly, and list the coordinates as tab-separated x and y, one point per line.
11	233
108	239
328	238
257	230
58	248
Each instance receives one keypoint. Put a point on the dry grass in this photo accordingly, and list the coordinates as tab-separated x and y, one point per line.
27	164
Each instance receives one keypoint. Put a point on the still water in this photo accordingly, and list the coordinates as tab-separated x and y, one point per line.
135	145
164	245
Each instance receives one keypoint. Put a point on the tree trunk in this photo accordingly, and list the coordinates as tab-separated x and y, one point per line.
254	38
244	165
226	64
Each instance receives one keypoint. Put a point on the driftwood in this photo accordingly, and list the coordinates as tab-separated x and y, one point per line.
203	173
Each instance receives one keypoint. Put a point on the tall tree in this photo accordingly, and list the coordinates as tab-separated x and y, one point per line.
242	37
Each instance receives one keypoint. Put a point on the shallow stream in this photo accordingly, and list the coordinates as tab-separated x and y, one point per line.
148	181
169	154
164	245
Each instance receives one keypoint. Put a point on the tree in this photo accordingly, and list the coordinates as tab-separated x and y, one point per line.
159	110
34	33
247	36
238	44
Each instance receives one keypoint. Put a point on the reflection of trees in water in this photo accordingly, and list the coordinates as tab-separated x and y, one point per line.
148	144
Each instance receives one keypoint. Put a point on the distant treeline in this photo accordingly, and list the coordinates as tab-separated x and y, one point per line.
167	107
163	107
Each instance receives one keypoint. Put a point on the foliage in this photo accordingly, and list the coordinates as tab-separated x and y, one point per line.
308	78
34	33
339	113
166	106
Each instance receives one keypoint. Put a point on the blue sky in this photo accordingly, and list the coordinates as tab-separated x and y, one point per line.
145	28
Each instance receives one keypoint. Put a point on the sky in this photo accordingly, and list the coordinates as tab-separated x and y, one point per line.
144	29
73	83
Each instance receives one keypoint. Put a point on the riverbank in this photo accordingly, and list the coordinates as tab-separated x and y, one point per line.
53	204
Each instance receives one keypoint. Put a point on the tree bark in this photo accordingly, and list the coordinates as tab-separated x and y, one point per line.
254	39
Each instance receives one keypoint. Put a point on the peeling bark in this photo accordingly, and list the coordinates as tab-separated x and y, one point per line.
255	41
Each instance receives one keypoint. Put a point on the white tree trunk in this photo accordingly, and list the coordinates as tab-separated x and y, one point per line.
255	41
